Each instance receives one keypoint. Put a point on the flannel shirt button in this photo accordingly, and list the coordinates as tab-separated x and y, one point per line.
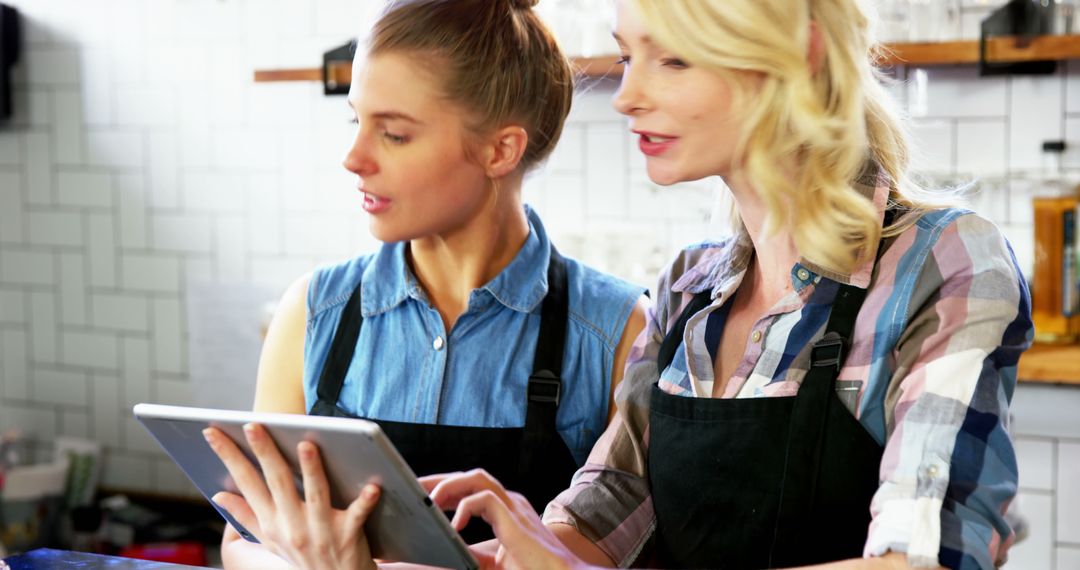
438	344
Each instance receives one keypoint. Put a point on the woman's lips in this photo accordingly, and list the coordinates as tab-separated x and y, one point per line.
652	144
375	204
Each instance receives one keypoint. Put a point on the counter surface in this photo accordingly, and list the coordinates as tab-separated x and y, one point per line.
47	558
1049	363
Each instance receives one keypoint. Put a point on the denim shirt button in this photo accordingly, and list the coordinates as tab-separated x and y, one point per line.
438	344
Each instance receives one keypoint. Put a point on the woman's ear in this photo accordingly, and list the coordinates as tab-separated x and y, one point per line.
506	147
815	50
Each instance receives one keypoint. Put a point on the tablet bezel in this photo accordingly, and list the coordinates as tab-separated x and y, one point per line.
405	526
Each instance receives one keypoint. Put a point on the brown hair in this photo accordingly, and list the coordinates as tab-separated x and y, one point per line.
495	58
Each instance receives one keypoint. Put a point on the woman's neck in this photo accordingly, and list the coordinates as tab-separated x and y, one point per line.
450	266
774	254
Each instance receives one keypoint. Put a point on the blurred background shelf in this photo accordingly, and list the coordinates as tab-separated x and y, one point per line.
999	50
1055	364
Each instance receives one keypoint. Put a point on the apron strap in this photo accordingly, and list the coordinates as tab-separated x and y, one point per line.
674	337
341	354
811	408
809	413
545	384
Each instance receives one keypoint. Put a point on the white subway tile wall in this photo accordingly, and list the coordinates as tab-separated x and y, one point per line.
1037	457
1037	550
1068	491
143	158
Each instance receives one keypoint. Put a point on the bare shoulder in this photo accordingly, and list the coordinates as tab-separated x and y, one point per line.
279	385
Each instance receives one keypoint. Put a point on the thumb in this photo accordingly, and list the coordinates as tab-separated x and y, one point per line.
240	510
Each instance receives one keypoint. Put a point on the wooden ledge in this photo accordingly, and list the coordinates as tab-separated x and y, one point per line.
999	50
1053	364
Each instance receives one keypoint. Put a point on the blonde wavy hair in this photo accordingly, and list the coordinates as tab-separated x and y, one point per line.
825	127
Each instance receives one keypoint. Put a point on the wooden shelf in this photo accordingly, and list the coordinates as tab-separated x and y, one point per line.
999	50
1054	364
342	72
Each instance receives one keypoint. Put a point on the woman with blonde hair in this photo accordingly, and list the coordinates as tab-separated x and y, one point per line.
829	386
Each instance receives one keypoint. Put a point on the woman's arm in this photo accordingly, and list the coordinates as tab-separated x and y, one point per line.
890	561
948	472
582	547
634	325
279	385
568	535
278	388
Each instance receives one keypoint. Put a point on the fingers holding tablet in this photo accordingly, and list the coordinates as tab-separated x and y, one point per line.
308	533
303	484
245	476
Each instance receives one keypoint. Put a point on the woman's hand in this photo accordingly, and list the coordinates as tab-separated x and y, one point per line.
308	532
525	542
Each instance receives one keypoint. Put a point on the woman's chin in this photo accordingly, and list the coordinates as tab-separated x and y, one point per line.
386	234
664	176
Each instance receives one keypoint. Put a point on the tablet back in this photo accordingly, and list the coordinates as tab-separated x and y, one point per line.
405	526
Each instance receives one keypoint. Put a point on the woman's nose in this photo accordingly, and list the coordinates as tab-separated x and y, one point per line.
630	98
358	159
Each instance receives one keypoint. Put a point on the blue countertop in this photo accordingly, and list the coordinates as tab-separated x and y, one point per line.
43	558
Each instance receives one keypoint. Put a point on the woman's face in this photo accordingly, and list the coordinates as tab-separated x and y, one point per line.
409	153
681	114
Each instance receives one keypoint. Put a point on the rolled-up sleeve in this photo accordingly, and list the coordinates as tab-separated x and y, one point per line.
949	469
609	500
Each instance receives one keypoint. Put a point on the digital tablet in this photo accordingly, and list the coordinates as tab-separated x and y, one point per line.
405	525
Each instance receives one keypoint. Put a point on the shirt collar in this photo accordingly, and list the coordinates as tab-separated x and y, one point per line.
388	281
521	285
873	185
723	266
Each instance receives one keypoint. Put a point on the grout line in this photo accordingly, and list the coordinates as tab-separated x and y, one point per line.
1054	467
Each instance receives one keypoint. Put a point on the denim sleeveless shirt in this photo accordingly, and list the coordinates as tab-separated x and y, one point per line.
407	368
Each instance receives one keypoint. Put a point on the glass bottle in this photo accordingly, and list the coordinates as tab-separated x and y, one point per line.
1055	292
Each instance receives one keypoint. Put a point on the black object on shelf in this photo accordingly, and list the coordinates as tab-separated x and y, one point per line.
10	40
341	55
1053	146
1025	19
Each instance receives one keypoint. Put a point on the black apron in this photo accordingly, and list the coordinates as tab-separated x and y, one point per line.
756	483
533	460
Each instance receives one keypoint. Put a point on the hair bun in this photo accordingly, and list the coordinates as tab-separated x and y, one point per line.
524	4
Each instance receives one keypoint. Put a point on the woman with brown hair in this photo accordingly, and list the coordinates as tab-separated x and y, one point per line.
467	336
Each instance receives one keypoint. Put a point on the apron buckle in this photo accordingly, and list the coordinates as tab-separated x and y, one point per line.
544	387
828	352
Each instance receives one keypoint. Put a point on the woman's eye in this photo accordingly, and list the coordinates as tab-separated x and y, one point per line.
396	139
354	121
622	60
674	62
